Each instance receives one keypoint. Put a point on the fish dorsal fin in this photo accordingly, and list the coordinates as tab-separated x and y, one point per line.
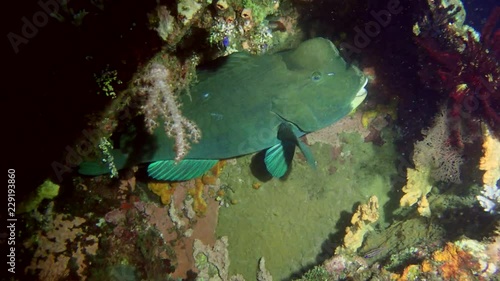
186	169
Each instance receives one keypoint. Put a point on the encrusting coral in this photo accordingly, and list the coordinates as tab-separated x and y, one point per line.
212	262
163	189
361	220
416	189
63	240
490	162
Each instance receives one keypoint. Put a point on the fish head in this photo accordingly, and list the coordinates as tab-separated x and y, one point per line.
321	87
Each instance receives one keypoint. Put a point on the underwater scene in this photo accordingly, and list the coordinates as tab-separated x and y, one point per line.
281	140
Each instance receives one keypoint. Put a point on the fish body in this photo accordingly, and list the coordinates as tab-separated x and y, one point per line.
251	103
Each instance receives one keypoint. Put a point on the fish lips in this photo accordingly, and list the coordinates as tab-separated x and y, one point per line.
361	94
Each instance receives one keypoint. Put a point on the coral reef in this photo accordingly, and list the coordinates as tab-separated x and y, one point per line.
468	66
63	242
435	159
463	260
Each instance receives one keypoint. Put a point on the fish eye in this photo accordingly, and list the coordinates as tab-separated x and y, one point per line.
316	76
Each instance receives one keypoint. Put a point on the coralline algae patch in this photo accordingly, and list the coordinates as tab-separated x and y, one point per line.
288	222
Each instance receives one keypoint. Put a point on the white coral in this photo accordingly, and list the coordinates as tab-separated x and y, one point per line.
489	199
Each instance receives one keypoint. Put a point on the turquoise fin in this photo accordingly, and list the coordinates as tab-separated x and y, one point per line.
277	158
307	153
187	169
96	168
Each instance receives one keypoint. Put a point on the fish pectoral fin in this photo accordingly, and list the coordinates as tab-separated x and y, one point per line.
279	157
288	132
170	170
307	153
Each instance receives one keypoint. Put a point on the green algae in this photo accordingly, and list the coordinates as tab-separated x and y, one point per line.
288	221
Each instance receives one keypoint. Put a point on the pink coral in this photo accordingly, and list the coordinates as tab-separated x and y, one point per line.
162	106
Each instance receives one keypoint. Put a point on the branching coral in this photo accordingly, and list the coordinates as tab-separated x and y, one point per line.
161	106
435	159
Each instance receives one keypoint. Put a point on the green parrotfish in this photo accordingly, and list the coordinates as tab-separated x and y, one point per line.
248	104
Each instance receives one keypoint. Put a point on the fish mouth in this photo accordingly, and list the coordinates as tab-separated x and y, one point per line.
361	94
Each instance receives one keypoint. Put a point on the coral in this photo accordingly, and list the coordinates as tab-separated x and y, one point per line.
163	21
467	66
47	190
410	272
260	8
490	162
464	259
436	151
263	274
62	241
222	5
455	264
187	9
172	213
212	262
368	117
105	146
435	159
361	220
416	189
199	204
379	111
163	189
161	104
489	199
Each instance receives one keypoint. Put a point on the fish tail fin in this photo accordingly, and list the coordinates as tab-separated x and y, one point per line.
99	167
180	171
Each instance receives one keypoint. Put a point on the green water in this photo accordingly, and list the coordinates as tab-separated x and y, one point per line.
288	221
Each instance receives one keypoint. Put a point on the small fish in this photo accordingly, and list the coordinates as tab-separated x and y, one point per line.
374	252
